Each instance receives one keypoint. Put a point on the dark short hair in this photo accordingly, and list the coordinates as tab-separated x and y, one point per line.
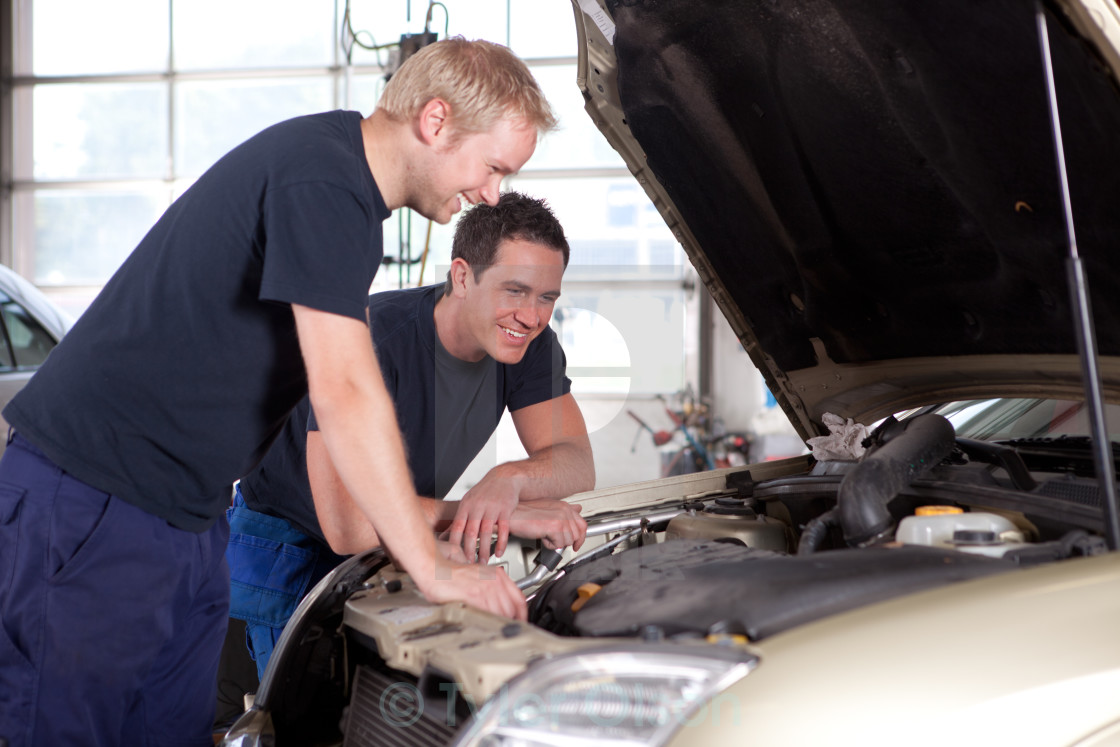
516	216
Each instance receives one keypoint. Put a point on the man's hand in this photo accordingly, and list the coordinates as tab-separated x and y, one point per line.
556	523
451	552
485	508
559	464
483	586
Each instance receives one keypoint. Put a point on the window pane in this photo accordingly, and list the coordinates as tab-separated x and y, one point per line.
80	37
30	341
211	117
614	230
365	90
480	19
539	29
82	237
576	143
213	34
598	357
623	340
100	131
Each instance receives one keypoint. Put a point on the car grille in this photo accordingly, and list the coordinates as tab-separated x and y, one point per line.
387	708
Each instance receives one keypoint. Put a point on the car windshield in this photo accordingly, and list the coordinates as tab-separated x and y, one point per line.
1010	419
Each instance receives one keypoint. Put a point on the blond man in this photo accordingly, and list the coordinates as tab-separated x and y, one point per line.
247	294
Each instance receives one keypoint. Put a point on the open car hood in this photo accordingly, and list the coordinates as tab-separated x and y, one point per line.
872	193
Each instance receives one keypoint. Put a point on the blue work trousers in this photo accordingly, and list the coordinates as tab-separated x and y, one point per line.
272	566
111	620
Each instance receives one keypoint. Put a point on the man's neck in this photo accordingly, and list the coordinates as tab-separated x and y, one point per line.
454	339
381	138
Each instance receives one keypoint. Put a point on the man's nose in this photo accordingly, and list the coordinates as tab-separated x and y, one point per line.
492	190
528	315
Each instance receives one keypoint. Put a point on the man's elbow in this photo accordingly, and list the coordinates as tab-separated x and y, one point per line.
587	484
342	542
332	400
585	478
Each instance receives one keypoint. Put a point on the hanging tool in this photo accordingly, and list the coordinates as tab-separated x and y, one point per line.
683	428
660	438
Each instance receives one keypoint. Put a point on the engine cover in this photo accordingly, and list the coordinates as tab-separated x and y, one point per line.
689	587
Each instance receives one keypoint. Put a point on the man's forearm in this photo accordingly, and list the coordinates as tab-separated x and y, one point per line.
560	461
351	402
379	489
553	472
346	528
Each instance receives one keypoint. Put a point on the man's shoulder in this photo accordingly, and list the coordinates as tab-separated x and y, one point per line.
312	148
404	311
541	374
541	361
403	302
547	344
336	124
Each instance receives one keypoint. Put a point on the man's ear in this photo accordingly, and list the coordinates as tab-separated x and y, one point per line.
434	124
461	275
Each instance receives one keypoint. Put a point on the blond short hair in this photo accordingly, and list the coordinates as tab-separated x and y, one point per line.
483	82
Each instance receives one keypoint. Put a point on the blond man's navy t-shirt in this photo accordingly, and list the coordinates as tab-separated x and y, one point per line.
179	376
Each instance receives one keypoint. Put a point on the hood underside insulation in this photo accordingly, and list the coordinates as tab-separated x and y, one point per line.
880	177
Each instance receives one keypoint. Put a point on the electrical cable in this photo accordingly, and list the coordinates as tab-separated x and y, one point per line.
354	38
428	18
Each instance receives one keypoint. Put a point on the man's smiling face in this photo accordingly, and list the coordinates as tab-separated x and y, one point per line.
470	170
511	303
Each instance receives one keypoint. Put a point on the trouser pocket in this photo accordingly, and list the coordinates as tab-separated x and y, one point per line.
19	611
11	505
267	578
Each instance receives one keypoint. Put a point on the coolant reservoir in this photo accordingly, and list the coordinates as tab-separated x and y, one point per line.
759	532
975	532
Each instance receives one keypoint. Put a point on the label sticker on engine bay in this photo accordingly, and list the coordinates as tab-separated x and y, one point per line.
406	615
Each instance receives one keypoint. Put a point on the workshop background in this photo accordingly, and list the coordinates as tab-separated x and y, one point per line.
110	109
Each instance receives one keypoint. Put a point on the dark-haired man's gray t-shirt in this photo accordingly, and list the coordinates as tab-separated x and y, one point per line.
466	397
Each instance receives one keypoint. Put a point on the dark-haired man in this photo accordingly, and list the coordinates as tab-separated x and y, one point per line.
454	357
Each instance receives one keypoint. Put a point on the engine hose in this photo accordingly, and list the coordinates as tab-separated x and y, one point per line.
815	532
883	473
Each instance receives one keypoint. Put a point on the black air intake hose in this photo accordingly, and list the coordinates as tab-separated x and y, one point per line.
815	532
872	484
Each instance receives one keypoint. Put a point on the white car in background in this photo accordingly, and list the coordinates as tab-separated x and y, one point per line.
30	326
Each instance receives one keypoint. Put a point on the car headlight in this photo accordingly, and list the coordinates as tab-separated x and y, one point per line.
635	695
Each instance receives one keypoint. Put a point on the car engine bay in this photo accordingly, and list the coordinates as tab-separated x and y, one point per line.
769	552
730	565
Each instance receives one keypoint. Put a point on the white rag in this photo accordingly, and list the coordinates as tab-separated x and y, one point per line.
844	441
